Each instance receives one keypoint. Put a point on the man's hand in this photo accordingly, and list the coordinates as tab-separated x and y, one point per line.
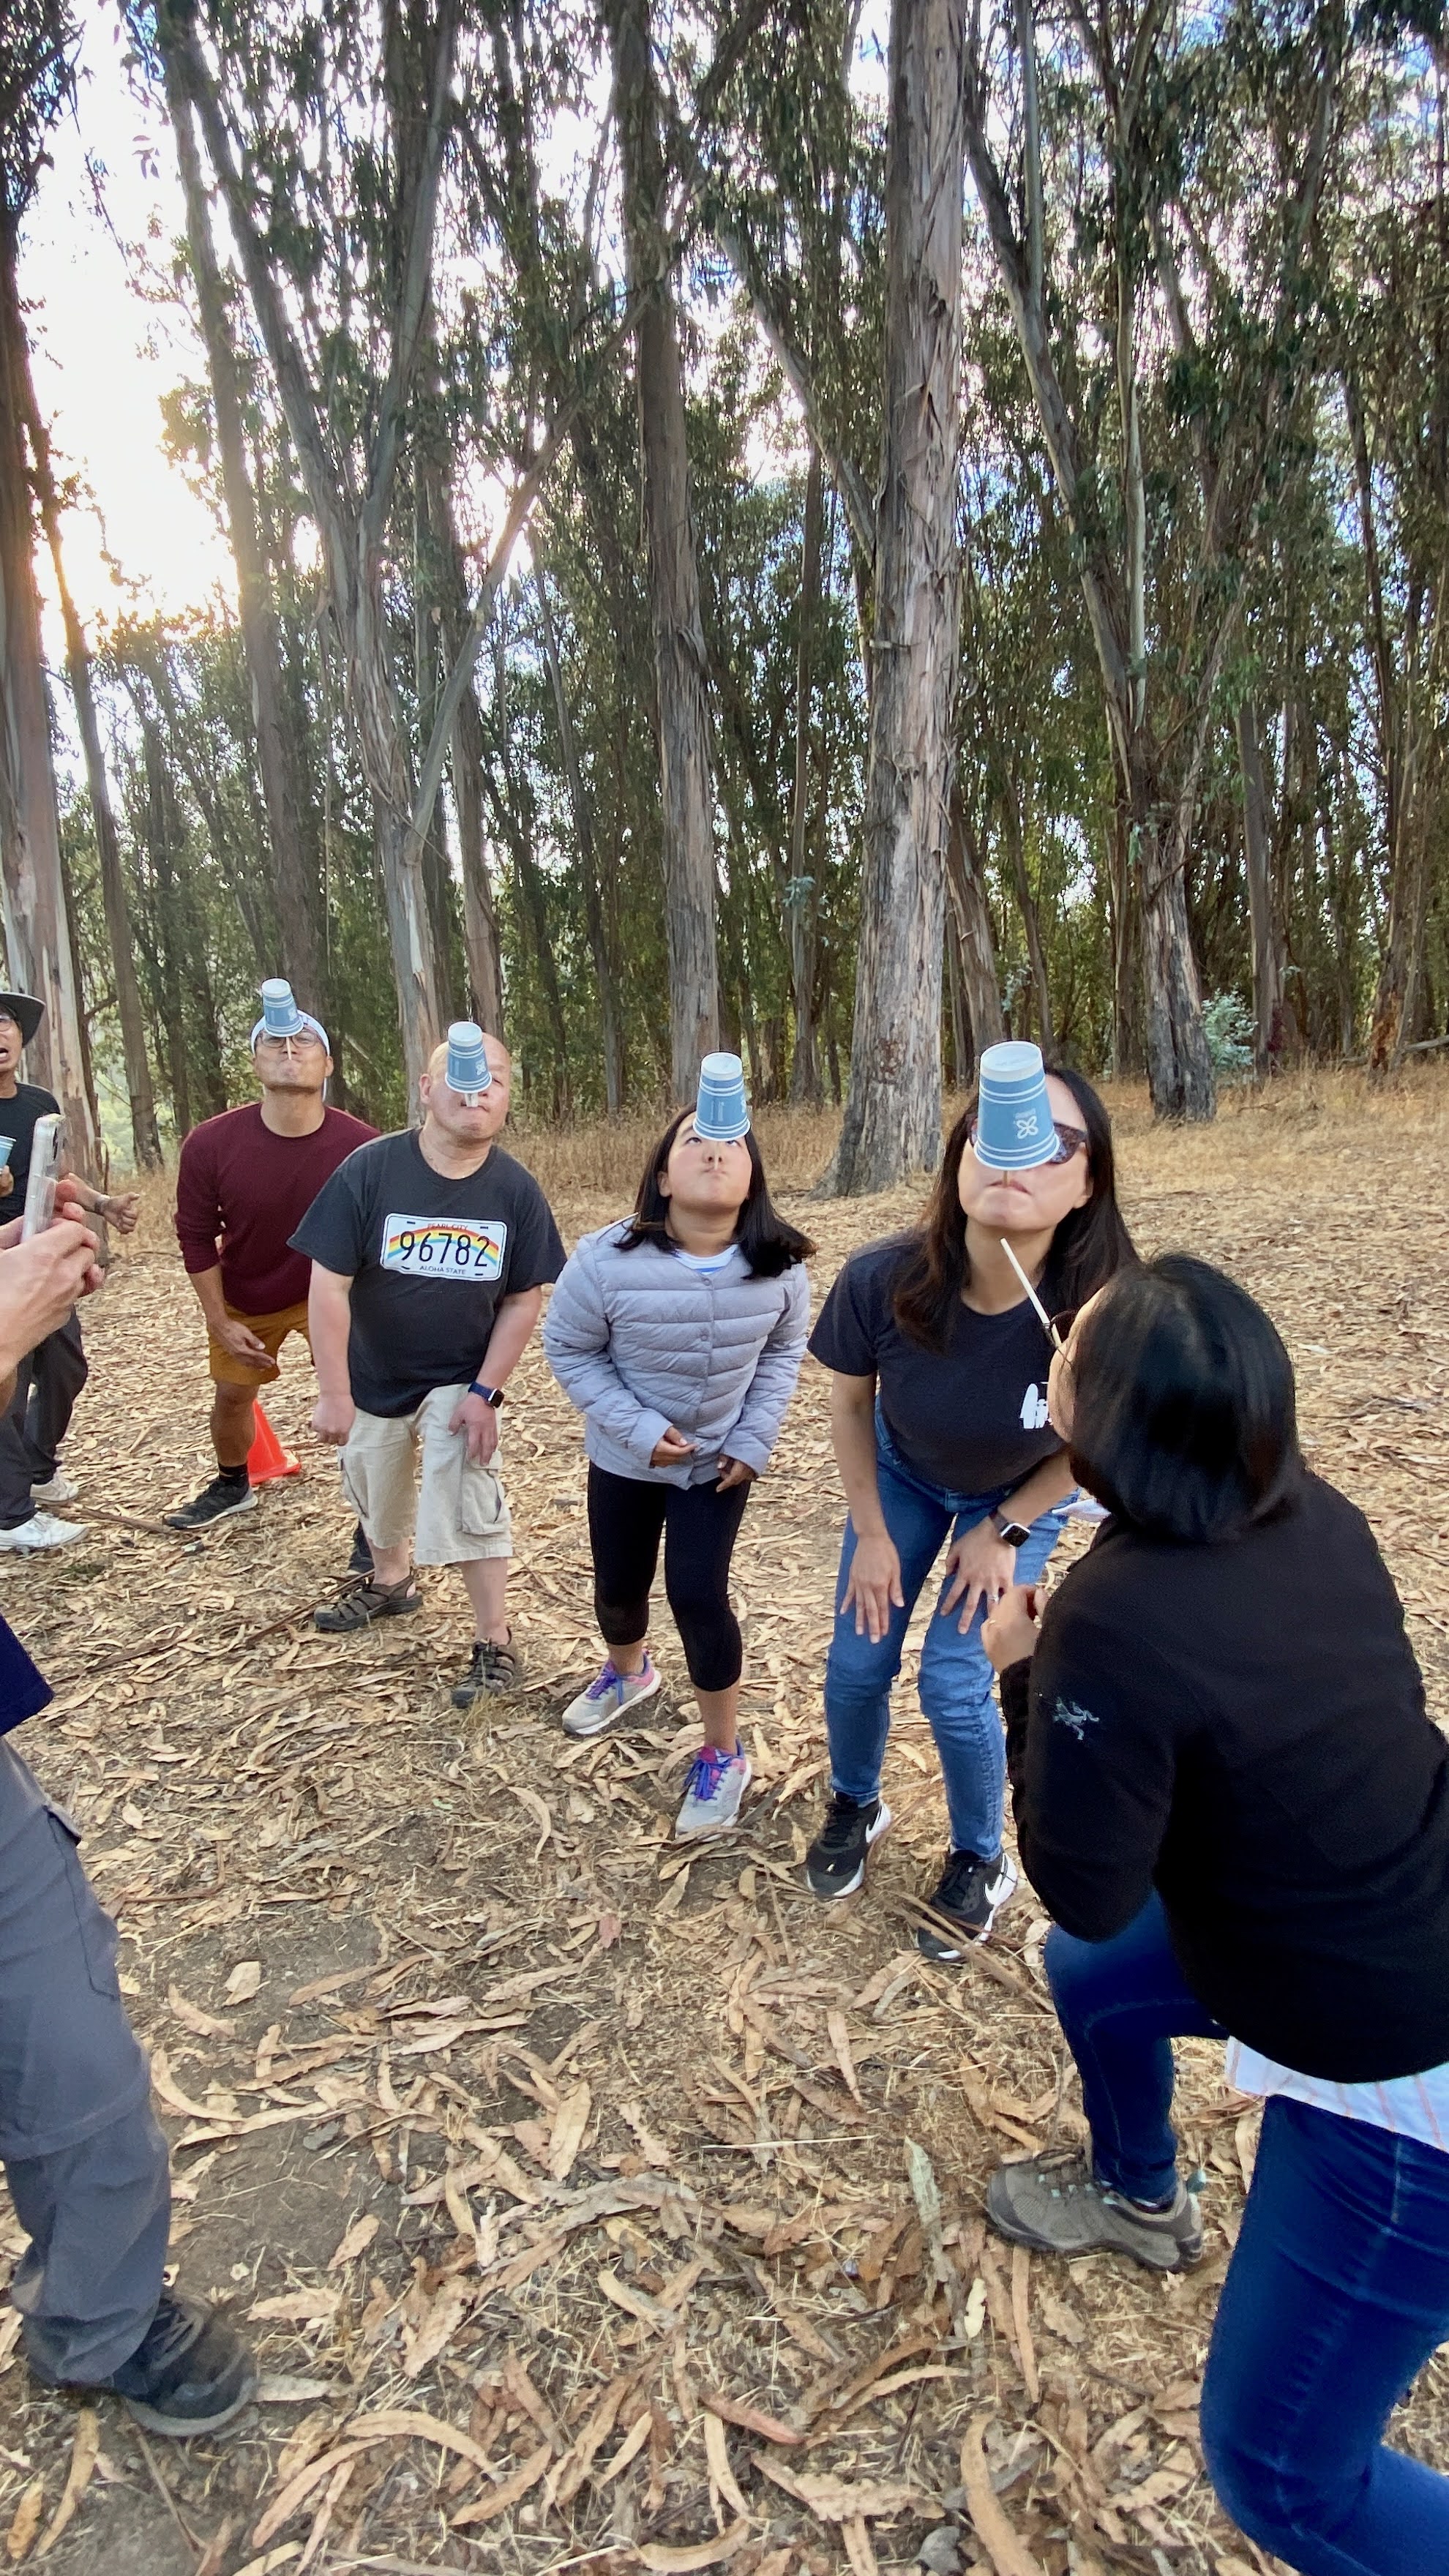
7	1182
241	1342
122	1212
873	1586
672	1450
40	1282
333	1417
735	1472
479	1419
1010	1633
980	1564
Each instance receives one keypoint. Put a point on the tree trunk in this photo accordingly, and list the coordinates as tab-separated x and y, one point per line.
1180	1074
513	810
294	893
37	935
1030	919
679	646
466	762
976	948
1262	908
892	1119
583	822
145	1136
802	895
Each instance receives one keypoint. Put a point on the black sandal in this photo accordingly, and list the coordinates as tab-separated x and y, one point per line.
491	1671
371	1600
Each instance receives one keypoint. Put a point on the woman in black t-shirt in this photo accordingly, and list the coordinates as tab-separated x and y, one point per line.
939	1418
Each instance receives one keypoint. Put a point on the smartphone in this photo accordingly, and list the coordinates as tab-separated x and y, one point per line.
46	1155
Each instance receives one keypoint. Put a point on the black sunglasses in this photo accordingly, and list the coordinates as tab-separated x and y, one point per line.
1070	1141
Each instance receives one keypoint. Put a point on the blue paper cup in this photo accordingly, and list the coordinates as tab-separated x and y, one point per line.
7	1148
1014	1129
280	1015
721	1113
467	1069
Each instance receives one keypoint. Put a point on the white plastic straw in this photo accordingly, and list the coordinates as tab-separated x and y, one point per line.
1053	1335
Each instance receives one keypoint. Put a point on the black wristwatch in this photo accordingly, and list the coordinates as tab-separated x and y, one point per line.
491	1394
1010	1533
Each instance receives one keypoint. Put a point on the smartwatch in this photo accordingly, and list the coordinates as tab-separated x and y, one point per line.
491	1394
1011	1533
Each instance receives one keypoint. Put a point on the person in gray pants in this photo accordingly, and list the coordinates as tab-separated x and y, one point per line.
86	2163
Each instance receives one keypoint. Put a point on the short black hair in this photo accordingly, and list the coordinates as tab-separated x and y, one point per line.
1184	1415
768	1241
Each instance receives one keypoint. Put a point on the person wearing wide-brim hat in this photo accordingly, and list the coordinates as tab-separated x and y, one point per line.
678	1332
48	1381
244	1183
938	1414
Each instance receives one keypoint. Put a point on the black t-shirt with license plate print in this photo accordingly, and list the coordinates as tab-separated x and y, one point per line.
430	1260
971	1419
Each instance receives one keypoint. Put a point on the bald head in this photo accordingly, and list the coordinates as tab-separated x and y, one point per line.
499	1059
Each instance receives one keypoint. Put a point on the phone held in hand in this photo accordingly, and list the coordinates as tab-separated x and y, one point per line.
46	1154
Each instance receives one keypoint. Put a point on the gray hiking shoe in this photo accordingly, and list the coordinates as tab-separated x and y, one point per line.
1056	2204
712	1794
608	1697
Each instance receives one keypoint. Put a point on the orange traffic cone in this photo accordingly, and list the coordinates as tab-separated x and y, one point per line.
268	1458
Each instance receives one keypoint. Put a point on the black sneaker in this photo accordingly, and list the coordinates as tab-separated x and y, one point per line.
360	1561
967	1899
835	1862
215	1502
491	1671
191	2373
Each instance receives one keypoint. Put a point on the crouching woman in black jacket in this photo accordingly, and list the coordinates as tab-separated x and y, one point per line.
1231	1798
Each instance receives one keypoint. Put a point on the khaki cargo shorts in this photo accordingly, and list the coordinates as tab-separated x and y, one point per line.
455	1511
271	1331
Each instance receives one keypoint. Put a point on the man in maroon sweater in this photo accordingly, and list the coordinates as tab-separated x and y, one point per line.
245	1182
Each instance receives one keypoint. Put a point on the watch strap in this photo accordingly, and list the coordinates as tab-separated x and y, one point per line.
491	1394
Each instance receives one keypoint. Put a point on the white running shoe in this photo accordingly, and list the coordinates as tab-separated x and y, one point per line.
57	1489
39	1533
712	1794
608	1697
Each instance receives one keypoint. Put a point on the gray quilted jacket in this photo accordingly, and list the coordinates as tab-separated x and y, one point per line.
637	1341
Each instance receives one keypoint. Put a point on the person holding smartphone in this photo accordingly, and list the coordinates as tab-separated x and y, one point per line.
938	1413
85	2160
48	1379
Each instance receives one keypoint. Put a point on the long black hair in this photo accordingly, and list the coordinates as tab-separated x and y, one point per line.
767	1241
1090	1243
1184	1414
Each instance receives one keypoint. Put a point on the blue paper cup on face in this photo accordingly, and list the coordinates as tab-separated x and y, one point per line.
7	1148
1014	1129
280	1015
721	1113
467	1070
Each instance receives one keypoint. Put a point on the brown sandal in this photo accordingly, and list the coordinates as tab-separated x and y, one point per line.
371	1600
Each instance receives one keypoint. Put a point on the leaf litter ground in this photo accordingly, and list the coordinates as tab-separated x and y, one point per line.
595	2203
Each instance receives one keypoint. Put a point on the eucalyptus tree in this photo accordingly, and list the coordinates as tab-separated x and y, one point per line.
328	156
38	39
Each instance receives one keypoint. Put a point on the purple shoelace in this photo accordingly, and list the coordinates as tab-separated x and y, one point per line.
610	1680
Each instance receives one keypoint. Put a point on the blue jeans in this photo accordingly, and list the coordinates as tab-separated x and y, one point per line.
1336	2296
956	1677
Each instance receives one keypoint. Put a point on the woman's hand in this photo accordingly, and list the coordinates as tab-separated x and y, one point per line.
873	1585
1010	1633
733	1472
980	1565
672	1450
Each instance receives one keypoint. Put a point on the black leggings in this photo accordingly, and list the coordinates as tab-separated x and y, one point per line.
699	1526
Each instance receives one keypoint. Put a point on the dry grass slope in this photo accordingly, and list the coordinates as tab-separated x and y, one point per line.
581	2194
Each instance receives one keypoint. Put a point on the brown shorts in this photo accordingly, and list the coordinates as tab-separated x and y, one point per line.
272	1330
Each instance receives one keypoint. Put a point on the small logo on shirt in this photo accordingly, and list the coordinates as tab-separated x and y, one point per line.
434	1247
1034	1415
1067	1713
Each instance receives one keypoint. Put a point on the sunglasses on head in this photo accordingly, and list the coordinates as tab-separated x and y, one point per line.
1070	1141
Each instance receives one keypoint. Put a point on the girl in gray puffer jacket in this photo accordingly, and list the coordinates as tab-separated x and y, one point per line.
679	1335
